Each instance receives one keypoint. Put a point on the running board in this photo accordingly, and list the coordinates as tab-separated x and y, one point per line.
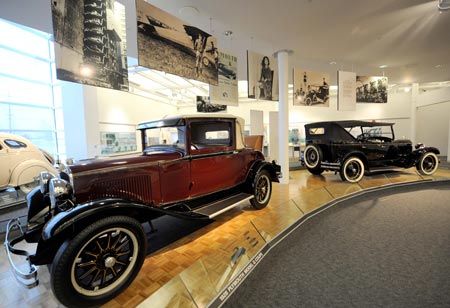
216	208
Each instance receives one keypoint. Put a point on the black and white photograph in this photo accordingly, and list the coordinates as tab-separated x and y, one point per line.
226	92
90	42
371	89
262	73
204	105
168	44
311	88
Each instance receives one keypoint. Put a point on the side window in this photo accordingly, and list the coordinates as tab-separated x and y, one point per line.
211	134
15	144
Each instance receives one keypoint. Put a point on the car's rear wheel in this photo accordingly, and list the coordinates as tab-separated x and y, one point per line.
308	101
99	262
428	163
352	170
312	156
262	190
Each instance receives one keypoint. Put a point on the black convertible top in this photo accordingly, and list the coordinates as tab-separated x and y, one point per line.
349	123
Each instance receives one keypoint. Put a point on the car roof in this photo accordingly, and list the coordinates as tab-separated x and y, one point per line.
179	120
350	123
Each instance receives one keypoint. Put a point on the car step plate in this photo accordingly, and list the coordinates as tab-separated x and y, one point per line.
213	209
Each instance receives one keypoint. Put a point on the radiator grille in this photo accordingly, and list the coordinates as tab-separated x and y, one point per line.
136	188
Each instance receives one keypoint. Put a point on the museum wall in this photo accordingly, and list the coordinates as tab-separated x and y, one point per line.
433	116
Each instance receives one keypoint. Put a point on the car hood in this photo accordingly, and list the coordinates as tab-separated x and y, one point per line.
123	161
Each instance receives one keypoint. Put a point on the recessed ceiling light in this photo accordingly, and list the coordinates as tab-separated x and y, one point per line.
333	63
438	66
444	5
383	66
228	33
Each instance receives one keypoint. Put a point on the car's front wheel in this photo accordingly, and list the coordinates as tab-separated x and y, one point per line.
352	170
99	262
428	163
262	190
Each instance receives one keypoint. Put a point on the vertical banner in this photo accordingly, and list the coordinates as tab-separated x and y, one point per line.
169	44
311	88
346	91
90	42
371	89
262	74
226	92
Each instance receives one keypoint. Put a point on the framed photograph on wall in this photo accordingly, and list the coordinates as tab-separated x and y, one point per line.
226	92
371	89
90	42
204	105
311	88
167	43
262	74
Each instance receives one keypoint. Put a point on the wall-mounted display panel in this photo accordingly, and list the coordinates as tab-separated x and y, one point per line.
226	92
311	88
371	89
90	42
169	44
346	91
262	72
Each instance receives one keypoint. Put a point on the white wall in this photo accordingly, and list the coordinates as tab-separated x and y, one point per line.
433	113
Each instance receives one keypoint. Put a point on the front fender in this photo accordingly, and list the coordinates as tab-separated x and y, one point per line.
273	168
416	154
64	225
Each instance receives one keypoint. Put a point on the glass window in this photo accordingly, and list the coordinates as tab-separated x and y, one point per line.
15	143
12	90
211	134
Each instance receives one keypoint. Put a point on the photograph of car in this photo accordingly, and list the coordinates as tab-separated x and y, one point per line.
86	220
21	162
355	147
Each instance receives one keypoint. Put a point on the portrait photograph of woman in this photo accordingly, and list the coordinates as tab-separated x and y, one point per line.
262	73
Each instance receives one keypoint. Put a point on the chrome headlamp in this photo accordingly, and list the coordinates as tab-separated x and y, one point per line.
60	192
44	178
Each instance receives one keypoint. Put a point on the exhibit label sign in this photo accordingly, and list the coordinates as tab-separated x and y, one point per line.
346	91
226	92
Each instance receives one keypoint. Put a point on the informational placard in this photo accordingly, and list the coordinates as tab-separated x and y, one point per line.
346	91
117	142
226	93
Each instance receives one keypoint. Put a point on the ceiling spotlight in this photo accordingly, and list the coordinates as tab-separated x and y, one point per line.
444	5
438	66
333	63
228	33
383	66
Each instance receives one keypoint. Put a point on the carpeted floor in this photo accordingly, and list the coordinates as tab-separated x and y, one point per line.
382	249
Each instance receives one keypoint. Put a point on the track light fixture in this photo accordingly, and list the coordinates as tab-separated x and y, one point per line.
444	5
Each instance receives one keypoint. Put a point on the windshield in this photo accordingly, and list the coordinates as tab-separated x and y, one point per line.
371	132
173	136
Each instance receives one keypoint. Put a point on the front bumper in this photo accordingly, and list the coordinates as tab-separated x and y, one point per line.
28	278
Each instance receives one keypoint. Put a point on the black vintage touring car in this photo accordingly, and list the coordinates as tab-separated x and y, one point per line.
354	147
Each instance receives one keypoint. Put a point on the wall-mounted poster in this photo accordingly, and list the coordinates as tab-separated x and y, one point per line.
168	44
226	92
262	76
371	89
114	142
311	88
346	91
204	105
90	42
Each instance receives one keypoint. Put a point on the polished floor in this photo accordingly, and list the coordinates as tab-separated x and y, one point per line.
201	259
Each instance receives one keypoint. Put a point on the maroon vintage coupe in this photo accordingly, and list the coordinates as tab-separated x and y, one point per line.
87	219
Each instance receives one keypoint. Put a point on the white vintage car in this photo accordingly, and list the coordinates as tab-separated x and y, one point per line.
21	162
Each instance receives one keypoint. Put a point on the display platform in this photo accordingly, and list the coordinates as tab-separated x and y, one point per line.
197	262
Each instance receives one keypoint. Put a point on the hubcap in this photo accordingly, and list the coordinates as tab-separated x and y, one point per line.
262	189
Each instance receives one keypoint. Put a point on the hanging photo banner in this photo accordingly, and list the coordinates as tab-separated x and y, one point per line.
226	92
371	89
168	44
262	74
311	88
204	105
346	91
90	42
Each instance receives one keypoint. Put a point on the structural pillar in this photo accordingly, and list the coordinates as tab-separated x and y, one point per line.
414	100
283	113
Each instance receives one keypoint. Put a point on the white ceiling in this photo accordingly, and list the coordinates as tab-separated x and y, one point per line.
411	37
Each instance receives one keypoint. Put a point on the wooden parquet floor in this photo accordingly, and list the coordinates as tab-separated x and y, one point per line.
197	261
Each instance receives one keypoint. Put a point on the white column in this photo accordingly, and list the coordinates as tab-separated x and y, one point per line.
413	125
283	114
448	149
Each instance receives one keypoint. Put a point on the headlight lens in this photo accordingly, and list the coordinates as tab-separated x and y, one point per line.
44	177
59	191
